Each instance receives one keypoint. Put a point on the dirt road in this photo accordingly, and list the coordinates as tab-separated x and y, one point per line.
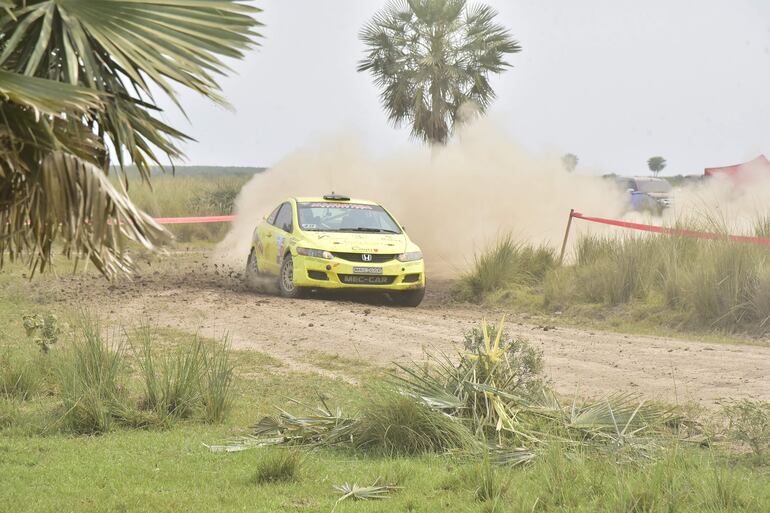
199	296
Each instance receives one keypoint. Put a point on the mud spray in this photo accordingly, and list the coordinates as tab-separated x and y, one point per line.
453	201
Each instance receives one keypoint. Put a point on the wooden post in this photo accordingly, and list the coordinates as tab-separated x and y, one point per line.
566	236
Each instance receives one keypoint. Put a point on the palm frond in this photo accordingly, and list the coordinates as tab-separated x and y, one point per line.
77	80
73	201
46	96
364	493
123	47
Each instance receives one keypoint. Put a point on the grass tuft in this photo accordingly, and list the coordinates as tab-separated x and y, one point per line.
277	466
507	263
91	380
195	378
395	425
21	375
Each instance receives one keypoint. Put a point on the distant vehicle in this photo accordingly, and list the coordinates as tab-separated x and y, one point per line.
333	242
647	194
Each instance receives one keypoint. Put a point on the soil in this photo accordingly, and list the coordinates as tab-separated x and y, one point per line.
194	294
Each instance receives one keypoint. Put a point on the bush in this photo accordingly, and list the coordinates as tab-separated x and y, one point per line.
277	466
520	367
749	423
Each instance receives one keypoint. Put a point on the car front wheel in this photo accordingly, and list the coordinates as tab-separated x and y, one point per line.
411	298
286	280
251	274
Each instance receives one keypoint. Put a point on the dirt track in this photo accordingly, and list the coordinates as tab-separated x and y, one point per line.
201	297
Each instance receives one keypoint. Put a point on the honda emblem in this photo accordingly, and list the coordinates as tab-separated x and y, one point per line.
366	257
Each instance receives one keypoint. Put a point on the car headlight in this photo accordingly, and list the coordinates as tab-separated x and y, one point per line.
410	256
315	253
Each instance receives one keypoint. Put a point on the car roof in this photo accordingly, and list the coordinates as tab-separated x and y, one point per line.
320	199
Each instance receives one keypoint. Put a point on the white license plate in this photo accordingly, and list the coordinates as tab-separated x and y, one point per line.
367	270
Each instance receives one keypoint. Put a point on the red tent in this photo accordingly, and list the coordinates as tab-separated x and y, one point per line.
759	165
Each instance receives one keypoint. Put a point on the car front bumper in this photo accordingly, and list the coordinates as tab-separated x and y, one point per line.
341	274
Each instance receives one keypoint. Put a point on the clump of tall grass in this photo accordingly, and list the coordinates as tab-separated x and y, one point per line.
277	466
21	375
395	425
92	386
507	263
196	378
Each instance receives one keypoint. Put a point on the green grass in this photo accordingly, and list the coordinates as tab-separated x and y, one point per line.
166	468
277	465
179	196
685	284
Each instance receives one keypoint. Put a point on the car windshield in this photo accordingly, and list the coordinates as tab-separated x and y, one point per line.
345	217
653	186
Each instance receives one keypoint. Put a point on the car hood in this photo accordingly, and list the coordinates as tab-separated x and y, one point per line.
358	242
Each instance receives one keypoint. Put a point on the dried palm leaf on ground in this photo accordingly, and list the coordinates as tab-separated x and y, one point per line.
363	493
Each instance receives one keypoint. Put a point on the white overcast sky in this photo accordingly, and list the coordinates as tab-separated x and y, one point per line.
614	81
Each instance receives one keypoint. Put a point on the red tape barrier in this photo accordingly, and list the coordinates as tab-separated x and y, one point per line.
193	220
673	231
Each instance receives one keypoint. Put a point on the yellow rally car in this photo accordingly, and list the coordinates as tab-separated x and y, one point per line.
334	242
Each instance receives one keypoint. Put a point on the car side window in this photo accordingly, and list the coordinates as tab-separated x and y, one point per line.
283	220
271	217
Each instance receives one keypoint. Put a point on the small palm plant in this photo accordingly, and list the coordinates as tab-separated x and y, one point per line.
430	58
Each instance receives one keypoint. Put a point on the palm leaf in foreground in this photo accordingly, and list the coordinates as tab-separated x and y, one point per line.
363	493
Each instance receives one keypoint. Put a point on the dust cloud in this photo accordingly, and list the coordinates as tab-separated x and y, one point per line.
723	204
453	201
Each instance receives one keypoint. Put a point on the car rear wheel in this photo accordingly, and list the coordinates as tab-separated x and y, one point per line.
411	298
286	280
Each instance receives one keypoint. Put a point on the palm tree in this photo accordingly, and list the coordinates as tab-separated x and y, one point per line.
78	81
431	57
569	161
656	165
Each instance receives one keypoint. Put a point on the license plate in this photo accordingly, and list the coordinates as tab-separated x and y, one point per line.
367	270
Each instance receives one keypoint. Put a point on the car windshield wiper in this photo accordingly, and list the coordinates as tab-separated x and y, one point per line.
368	230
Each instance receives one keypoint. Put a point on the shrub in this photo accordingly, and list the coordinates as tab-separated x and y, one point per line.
277	466
749	423
43	330
520	367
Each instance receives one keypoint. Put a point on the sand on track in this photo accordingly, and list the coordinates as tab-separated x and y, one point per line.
197	296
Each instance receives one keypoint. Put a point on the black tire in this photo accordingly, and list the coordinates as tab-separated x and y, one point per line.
410	298
286	280
251	273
